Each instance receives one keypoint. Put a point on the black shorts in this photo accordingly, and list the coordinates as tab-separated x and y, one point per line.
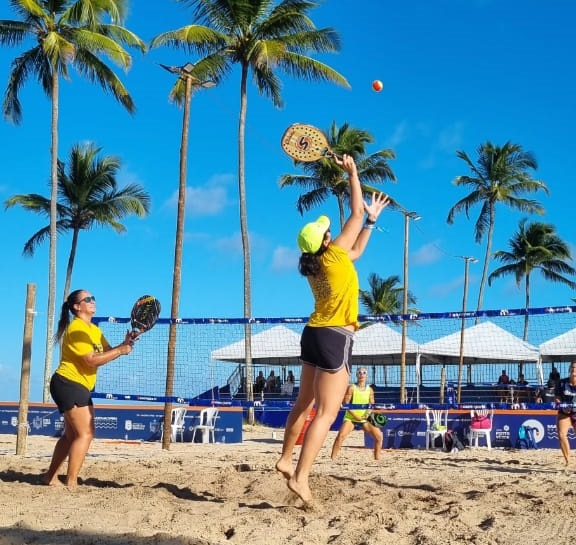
327	348
68	394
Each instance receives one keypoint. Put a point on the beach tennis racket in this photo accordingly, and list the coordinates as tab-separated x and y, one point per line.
377	419
144	315
306	143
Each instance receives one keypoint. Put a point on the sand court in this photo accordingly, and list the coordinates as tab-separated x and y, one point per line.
211	494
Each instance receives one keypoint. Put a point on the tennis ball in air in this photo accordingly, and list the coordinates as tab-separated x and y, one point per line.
377	85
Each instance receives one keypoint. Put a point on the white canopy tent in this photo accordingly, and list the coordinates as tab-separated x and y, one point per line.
559	348
277	345
483	343
379	344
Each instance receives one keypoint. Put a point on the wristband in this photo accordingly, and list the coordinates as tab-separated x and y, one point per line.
369	221
369	226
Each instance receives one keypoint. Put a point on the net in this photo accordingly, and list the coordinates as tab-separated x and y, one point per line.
433	349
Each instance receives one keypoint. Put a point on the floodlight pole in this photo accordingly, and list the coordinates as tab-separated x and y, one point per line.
467	260
407	217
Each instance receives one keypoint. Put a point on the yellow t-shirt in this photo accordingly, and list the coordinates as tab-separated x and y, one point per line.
335	289
80	339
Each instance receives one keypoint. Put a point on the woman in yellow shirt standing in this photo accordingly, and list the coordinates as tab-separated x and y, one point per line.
358	394
326	342
84	350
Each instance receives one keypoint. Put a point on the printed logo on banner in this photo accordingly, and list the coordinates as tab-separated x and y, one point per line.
14	421
106	422
128	425
537	427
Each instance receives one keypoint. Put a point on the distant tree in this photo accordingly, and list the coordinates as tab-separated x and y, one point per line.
535	247
325	178
88	196
499	176
263	38
385	296
64	34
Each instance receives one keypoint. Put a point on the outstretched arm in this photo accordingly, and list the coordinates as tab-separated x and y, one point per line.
378	203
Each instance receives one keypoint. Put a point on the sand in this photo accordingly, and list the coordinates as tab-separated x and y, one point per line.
198	494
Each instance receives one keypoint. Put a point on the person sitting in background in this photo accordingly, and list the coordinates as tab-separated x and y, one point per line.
260	383
288	386
271	382
554	375
504	394
547	394
523	391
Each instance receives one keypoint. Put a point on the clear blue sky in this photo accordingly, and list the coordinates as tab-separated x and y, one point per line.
456	74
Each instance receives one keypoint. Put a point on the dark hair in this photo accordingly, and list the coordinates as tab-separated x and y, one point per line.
309	264
67	308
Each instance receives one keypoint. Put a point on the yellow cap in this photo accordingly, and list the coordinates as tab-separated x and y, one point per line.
312	234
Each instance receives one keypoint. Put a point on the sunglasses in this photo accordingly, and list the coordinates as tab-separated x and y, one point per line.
362	373
90	299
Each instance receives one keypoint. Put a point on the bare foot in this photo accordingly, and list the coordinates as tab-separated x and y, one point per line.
286	470
301	490
46	481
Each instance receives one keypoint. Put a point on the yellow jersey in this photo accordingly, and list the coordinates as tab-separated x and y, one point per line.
80	339
335	289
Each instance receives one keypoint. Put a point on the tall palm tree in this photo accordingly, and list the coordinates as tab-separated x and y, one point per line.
325	178
385	296
501	175
88	197
535	247
262	37
64	34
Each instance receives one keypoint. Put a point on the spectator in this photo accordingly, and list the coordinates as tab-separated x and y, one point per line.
503	378
554	375
271	382
260	383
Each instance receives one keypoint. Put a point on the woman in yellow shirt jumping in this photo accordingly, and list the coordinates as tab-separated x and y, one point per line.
326	342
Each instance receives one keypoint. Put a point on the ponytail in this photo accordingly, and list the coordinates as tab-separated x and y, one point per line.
67	309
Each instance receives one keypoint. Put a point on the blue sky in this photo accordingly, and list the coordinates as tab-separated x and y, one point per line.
456	74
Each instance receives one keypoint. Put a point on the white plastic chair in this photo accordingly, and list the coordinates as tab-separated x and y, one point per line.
177	425
436	426
474	434
206	424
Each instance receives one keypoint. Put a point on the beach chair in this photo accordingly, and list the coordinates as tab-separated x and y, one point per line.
206	424
436	426
177	425
480	426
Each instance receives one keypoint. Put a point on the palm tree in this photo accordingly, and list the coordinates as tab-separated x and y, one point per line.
64	34
500	176
325	178
535	247
88	197
262	38
385	296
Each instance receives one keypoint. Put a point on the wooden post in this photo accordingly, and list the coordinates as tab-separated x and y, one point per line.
29	312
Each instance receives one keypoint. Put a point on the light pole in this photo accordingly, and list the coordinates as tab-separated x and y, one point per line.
185	74
407	217
467	260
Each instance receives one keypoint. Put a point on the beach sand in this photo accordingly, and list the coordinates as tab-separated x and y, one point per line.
206	494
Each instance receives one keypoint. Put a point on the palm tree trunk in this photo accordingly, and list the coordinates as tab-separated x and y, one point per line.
245	240
52	251
177	273
487	256
70	265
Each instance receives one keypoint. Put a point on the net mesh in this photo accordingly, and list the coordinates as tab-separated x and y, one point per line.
210	362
